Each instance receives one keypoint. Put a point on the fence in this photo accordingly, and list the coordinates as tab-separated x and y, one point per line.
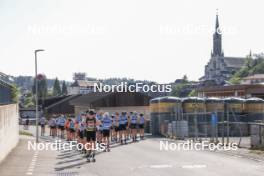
224	127
257	135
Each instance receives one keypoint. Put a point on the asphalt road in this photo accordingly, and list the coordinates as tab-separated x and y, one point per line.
143	158
146	159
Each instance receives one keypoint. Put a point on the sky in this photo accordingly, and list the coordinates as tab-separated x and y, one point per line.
157	40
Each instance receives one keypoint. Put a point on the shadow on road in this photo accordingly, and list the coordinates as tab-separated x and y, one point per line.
68	159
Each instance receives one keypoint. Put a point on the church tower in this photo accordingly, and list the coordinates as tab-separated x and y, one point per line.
220	68
217	39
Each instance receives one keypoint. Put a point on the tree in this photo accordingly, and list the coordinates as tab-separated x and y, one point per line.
193	93
56	88
29	100
42	87
185	79
64	88
235	80
177	90
251	66
14	94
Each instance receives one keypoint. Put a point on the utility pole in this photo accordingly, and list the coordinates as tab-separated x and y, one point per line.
36	92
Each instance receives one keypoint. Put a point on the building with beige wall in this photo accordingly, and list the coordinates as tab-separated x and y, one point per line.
242	91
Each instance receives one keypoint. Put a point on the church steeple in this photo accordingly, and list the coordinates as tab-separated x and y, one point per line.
217	39
216	21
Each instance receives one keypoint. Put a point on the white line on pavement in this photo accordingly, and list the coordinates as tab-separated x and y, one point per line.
193	166
160	166
32	164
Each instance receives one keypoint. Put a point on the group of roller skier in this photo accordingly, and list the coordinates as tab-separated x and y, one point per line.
91	129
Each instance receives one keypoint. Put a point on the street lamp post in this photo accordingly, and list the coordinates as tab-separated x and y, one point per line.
36	92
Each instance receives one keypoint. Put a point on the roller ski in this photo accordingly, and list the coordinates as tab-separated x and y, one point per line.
90	157
107	148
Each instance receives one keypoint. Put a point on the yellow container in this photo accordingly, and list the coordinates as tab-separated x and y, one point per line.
254	105
234	104
214	105
193	104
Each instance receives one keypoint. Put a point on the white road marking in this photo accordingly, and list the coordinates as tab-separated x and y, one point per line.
193	166
160	166
30	169
32	164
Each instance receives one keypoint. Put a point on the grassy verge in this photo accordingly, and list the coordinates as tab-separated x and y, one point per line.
257	150
25	133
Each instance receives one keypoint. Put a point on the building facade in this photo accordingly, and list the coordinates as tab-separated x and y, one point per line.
220	68
5	89
81	85
253	79
242	91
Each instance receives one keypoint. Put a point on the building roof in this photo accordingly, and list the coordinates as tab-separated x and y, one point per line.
256	76
248	87
89	98
4	80
234	62
112	99
83	83
62	100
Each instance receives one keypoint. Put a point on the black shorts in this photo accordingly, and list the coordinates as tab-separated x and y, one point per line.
52	127
72	130
133	126
106	133
90	135
141	126
122	127
42	125
61	127
116	128
81	134
100	131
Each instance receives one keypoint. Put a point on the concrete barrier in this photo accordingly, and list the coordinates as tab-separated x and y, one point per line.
9	129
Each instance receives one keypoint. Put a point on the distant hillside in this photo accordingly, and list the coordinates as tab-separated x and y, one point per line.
253	65
26	82
115	81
